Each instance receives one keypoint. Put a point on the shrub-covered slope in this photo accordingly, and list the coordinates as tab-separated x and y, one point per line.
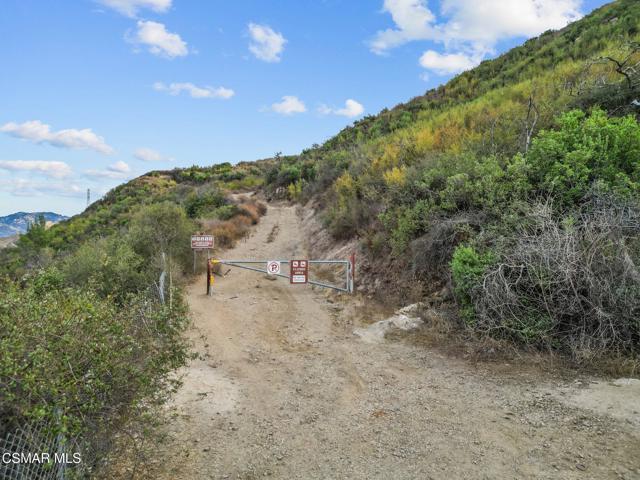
539	146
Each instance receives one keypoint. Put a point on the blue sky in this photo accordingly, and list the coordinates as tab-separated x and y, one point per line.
95	92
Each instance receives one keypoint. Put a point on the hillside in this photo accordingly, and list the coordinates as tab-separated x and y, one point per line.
19	222
445	192
557	70
198	190
494	108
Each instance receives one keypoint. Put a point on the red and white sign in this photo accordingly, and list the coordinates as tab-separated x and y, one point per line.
273	267
201	242
299	271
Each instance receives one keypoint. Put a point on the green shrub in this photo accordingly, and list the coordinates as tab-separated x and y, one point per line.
249	182
225	212
80	363
294	190
585	149
110	266
467	270
201	202
231	175
162	228
407	224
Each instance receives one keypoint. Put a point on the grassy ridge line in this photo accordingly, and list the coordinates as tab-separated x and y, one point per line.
563	52
482	109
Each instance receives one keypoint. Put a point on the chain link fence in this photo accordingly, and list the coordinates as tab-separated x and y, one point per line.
35	452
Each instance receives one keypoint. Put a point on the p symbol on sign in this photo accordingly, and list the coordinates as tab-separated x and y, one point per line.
273	267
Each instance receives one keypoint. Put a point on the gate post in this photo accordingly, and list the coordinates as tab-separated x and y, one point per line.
208	277
352	272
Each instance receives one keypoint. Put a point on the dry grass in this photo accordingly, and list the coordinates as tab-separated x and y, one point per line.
262	208
228	232
250	211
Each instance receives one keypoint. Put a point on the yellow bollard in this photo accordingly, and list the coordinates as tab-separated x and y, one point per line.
210	275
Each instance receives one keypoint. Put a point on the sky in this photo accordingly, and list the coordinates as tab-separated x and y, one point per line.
96	92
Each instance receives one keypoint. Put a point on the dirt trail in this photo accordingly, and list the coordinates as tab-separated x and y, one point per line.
287	391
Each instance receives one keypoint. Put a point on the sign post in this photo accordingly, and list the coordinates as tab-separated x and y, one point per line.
200	242
299	271
209	277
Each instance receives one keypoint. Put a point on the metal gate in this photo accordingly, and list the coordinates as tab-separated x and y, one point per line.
254	265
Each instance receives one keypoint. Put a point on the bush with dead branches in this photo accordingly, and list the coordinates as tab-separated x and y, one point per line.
570	283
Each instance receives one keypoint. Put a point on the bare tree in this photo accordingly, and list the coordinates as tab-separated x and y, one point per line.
611	81
627	67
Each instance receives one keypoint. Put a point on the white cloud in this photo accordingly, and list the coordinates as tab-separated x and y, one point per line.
130	7
116	170
470	28
351	109
194	91
413	19
31	188
444	64
483	22
324	109
150	155
266	44
47	168
119	167
38	132
486	22
289	105
159	41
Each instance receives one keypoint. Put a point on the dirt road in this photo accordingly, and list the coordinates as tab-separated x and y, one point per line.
286	390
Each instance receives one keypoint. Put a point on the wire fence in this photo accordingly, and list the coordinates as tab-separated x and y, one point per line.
35	452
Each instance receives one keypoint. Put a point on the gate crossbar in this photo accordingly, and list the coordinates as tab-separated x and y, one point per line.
347	263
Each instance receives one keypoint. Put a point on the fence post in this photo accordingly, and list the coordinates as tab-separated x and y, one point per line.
208	277
161	286
60	444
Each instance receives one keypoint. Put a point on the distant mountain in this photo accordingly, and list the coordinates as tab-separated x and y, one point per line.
19	222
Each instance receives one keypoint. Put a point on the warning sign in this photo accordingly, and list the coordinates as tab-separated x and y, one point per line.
201	242
299	271
273	267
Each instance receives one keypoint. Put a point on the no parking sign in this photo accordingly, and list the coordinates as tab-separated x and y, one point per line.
273	267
